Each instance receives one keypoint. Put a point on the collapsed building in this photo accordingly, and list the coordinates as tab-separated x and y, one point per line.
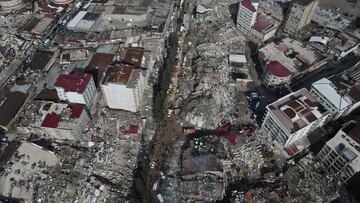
53	120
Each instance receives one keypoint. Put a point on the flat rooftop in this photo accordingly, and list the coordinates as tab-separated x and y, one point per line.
348	82
296	110
123	75
10	106
353	130
294	55
28	161
51	115
40	60
73	82
134	56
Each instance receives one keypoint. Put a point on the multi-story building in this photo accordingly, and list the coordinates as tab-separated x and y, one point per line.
246	16
290	120
53	120
264	28
123	88
300	15
76	87
340	94
340	157
293	55
276	75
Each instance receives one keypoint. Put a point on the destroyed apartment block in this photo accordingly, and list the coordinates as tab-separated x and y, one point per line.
50	120
240	64
26	169
10	107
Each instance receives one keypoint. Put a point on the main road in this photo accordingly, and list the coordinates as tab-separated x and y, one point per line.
154	154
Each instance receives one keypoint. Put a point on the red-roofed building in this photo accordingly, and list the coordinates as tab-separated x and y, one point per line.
123	88
51	120
246	15
76	110
78	88
54	120
276	75
264	28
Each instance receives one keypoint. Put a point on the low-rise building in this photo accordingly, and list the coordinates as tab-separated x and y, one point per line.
53	120
340	157
133	56
76	87
123	88
200	12
239	64
290	120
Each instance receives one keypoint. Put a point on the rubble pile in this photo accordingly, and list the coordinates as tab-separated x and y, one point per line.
207	91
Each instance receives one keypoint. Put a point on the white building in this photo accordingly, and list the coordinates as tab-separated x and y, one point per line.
326	93
340	94
123	88
78	88
291	119
246	16
340	157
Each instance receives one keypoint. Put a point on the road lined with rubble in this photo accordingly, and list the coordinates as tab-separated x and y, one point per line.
154	155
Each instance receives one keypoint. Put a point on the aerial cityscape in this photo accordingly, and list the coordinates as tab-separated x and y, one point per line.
179	101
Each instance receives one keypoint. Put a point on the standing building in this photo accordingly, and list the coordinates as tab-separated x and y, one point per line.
300	15
290	120
340	94
246	16
123	88
340	157
265	28
276	75
76	87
